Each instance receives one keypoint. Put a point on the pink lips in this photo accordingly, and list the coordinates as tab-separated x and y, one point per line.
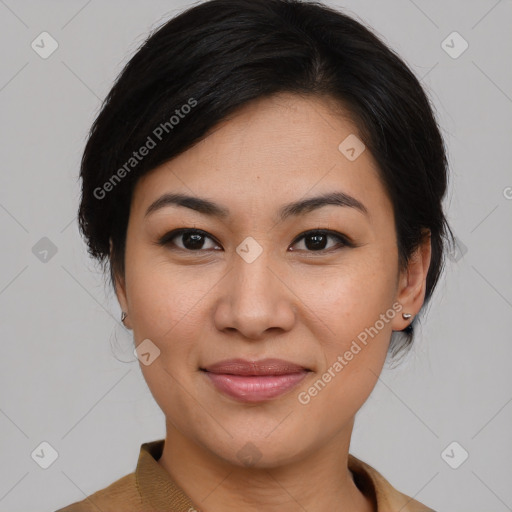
255	381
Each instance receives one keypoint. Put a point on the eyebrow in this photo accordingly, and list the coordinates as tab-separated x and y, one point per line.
207	207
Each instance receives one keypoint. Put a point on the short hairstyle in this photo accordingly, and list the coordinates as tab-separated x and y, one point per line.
199	67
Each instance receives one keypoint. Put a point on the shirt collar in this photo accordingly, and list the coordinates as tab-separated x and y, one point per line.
155	485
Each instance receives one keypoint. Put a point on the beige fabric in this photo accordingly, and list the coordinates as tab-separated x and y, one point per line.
151	489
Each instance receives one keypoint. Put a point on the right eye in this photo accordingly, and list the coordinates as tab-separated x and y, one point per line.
192	240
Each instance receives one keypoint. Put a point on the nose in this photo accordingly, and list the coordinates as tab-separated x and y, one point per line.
254	299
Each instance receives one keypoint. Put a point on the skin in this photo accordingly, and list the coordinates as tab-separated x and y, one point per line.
303	305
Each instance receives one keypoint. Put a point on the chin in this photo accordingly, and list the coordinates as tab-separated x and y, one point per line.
252	450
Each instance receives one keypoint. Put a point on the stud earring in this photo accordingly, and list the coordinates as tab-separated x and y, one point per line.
406	316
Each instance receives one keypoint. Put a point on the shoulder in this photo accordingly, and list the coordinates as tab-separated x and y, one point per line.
120	495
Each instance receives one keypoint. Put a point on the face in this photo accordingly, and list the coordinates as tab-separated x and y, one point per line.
254	280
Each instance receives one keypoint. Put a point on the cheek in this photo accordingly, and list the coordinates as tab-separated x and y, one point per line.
163	300
355	306
165	306
350	297
354	346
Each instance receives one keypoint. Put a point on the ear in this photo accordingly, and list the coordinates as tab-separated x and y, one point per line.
412	283
120	288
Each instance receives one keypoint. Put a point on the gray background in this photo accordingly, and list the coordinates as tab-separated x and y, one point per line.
68	374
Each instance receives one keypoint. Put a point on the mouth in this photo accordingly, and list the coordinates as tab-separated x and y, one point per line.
255	381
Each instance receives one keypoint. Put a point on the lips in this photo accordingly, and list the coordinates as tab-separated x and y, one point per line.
262	367
255	381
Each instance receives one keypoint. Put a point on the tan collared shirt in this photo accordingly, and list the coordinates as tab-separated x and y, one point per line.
151	489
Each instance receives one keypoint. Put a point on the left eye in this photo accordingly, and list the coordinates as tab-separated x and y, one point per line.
317	240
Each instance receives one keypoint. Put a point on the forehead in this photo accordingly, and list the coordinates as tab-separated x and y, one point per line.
271	151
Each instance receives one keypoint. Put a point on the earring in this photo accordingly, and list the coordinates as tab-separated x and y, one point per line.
406	316
123	316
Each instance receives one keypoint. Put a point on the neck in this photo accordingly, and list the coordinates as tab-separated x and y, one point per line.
315	482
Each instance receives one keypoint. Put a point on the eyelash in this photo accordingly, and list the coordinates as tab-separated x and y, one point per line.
343	241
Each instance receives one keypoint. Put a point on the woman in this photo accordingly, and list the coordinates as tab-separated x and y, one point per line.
265	180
